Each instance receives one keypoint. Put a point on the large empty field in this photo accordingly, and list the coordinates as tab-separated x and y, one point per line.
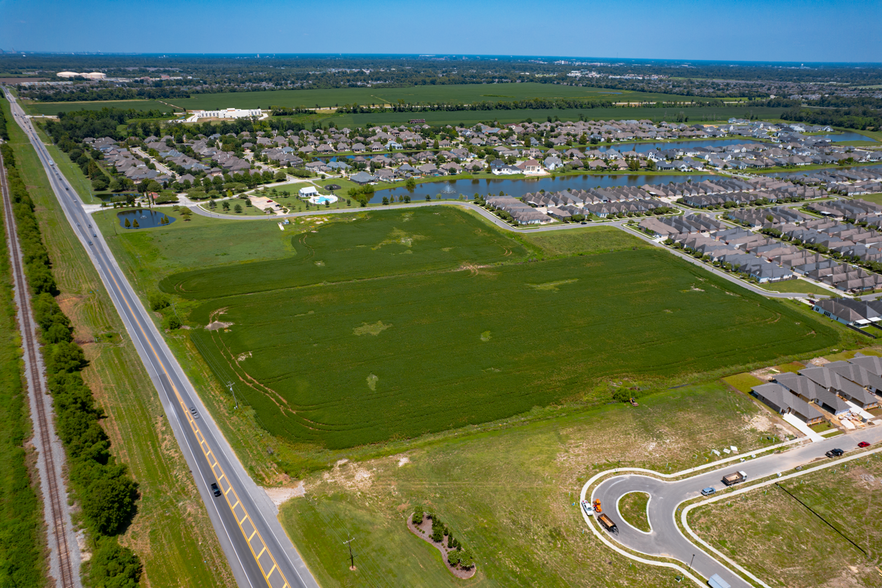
396	324
53	108
464	93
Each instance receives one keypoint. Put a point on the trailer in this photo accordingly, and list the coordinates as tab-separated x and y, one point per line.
607	523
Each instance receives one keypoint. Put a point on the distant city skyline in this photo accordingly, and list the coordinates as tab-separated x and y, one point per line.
735	30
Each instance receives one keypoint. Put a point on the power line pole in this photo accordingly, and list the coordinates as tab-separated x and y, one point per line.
351	557
230	386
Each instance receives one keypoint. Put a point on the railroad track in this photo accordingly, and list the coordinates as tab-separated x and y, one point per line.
51	481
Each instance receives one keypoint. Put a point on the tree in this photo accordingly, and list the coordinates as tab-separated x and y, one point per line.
127	223
109	502
135	224
238	209
410	184
113	566
225	205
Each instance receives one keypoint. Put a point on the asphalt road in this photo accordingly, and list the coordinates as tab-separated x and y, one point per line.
666	540
244	518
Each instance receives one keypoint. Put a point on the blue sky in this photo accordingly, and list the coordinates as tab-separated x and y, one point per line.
743	30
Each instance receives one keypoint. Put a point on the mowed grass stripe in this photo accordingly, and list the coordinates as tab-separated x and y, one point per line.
463	347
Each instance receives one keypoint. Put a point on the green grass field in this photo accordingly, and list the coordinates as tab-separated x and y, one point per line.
464	93
773	536
800	286
171	532
323	344
696	114
53	108
510	493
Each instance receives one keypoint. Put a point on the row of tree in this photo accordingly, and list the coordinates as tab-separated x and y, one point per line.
101	485
20	509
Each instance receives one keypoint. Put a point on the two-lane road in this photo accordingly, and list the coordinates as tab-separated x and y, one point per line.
259	552
665	539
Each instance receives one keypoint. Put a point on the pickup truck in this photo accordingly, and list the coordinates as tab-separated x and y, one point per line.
734	478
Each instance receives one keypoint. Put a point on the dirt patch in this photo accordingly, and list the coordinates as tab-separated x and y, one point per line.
218	325
370	328
281	495
352	476
819	361
424	532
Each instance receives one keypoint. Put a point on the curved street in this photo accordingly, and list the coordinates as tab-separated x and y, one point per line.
666	539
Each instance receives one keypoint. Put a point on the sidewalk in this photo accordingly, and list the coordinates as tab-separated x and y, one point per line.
802	428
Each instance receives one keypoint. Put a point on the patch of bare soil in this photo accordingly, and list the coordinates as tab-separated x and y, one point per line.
819	361
217	325
283	494
424	532
352	476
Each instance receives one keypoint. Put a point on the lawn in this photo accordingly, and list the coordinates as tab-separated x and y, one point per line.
874	198
171	532
511	493
781	541
633	508
323	344
53	108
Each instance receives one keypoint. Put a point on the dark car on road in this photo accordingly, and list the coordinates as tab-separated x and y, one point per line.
834	453
215	490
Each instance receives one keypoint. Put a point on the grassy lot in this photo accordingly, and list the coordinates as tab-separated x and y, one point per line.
362	245
463	93
512	494
781	541
171	533
585	241
53	108
633	508
369	298
801	286
874	198
743	382
22	555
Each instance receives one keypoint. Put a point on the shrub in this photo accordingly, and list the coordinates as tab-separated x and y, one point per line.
418	517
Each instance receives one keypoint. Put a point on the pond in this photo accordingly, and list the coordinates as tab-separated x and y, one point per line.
145	218
662	145
842	137
519	187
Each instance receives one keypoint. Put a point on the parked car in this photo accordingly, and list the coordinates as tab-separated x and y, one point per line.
834	453
215	490
708	491
863	444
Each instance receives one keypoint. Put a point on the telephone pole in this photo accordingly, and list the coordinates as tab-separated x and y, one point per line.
351	557
230	386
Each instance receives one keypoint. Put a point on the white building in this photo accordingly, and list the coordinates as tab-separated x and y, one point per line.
308	192
227	113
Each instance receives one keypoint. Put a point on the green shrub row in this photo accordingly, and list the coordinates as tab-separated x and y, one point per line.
21	561
103	487
456	556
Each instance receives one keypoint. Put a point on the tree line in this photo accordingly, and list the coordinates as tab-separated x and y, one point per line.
102	486
21	563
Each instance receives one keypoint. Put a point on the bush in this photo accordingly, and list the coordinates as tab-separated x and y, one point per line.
453	558
172	322
157	301
418	517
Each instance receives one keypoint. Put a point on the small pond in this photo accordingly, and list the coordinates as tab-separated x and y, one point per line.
145	219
